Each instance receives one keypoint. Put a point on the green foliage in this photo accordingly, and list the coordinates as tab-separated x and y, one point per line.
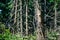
9	5
31	37
6	7
58	1
2	27
52	35
2	5
5	35
9	36
51	0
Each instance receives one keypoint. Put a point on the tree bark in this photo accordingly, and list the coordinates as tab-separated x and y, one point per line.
55	26
38	21
15	11
21	26
26	18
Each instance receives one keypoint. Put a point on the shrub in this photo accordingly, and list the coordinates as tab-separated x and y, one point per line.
52	35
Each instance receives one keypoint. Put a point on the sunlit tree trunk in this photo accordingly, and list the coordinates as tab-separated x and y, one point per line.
38	21
26	18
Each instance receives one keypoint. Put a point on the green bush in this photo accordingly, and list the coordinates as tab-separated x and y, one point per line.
2	27
9	36
52	35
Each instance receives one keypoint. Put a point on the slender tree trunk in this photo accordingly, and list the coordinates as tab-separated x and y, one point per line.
55	26
17	22
34	24
26	18
21	18
15	11
38	21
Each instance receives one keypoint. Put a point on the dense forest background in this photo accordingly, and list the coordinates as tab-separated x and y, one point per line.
29	19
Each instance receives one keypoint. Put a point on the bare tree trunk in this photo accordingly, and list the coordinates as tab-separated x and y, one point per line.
21	18
34	24
38	21
15	11
26	18
55	26
17	22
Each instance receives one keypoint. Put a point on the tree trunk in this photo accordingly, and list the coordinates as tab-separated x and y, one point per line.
55	26
21	18
38	21
15	11
26	19
17	22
